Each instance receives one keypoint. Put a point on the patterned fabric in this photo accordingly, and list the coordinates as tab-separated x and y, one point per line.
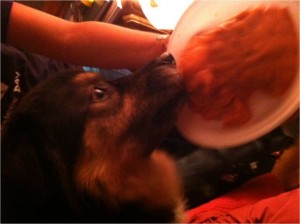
260	200
20	72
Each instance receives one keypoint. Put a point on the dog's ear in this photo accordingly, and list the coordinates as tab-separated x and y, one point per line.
28	180
22	175
19	154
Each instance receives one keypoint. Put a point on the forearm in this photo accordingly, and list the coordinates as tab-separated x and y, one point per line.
87	43
113	46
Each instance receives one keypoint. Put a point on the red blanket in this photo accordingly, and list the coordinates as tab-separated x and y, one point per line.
259	200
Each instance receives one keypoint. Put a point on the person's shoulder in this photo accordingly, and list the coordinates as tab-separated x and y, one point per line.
6	7
6	4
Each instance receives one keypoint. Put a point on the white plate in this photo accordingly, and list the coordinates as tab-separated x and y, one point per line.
268	113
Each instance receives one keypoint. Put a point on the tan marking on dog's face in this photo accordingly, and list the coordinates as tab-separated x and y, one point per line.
84	77
105	134
152	181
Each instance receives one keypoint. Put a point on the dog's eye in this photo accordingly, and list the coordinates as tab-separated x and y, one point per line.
99	94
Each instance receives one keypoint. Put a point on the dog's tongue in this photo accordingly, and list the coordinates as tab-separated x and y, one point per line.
221	68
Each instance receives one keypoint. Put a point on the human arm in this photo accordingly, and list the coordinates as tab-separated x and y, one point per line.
86	43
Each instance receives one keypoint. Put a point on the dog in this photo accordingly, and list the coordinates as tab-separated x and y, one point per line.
78	148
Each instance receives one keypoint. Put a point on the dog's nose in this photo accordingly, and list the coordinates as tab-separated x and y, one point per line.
167	58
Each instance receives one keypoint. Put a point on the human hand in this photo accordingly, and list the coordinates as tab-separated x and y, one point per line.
163	41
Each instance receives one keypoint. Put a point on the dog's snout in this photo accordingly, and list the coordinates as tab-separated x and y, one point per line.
167	58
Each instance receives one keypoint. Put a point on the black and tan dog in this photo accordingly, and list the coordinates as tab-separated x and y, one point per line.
80	149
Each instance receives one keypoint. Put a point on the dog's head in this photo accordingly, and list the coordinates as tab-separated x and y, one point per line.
90	146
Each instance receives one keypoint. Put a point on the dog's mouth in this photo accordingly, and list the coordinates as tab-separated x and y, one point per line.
167	58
